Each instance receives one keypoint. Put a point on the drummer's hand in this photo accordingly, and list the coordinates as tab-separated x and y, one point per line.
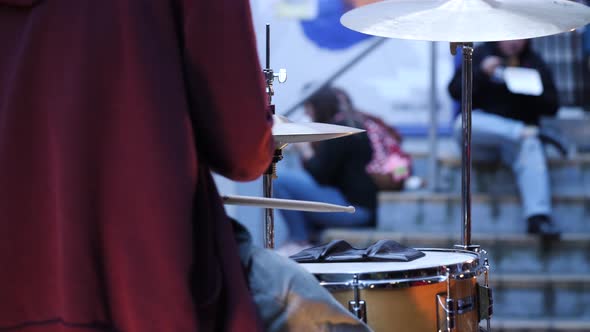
490	63
304	149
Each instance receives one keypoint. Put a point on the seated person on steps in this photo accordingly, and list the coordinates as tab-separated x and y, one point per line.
334	171
505	124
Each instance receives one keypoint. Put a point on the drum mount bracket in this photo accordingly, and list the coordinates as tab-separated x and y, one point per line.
357	307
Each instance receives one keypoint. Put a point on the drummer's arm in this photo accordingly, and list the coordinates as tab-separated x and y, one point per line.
225	88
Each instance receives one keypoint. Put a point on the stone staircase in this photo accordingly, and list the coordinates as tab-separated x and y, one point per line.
537	286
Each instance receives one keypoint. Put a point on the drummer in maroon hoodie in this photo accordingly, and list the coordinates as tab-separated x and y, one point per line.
112	115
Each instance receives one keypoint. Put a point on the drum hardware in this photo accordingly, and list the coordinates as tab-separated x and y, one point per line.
269	73
450	306
284	132
357	307
271	172
486	299
466	104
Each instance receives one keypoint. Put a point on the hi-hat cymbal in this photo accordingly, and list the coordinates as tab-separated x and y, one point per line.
285	131
467	20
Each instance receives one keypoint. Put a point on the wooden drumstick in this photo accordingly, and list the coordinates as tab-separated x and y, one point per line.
285	204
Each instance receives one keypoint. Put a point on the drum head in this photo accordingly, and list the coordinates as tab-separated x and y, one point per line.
433	266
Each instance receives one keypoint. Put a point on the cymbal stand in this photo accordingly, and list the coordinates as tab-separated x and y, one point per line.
466	107
271	172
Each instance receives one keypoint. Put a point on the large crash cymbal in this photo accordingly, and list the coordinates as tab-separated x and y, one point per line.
467	20
285	131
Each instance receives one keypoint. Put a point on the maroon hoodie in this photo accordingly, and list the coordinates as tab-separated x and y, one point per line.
112	114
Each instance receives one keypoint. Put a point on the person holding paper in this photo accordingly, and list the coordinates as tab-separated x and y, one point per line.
512	90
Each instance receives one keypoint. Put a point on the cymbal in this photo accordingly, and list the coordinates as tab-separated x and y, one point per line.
285	204
286	131
467	20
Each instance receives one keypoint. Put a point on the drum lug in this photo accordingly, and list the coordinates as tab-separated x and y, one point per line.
446	313
486	299
446	318
357	307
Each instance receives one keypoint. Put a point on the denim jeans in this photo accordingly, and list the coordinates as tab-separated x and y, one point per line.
300	185
287	297
498	138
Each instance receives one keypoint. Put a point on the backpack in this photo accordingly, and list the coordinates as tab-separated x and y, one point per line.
389	165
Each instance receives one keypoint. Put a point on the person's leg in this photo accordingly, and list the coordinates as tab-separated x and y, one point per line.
293	185
494	130
529	165
525	156
300	185
289	298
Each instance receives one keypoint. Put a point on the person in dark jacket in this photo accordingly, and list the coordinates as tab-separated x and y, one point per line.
505	124
112	116
333	172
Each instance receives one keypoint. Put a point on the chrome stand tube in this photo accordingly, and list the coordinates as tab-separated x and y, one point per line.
269	220
269	217
466	105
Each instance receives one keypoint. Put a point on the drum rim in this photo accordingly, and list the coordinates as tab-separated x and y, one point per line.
406	278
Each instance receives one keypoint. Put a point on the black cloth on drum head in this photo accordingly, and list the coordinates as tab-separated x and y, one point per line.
341	251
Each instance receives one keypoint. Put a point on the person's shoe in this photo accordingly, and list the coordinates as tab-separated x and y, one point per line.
544	226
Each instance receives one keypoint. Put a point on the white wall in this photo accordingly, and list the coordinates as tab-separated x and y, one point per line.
393	82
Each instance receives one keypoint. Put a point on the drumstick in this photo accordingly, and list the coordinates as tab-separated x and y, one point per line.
285	204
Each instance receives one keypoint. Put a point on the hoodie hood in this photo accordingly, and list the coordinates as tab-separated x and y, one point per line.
19	3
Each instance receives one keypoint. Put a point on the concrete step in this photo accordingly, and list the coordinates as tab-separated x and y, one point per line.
436	213
510	253
539	325
525	296
567	176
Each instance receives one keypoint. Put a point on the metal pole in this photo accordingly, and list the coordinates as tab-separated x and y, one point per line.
269	221
269	227
433	132
268	46
466	105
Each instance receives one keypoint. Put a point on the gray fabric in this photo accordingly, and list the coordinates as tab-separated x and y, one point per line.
288	298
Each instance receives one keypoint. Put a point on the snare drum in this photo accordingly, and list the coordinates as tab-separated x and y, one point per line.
412	296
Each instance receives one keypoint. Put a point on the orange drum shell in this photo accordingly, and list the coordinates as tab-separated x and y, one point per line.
413	309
